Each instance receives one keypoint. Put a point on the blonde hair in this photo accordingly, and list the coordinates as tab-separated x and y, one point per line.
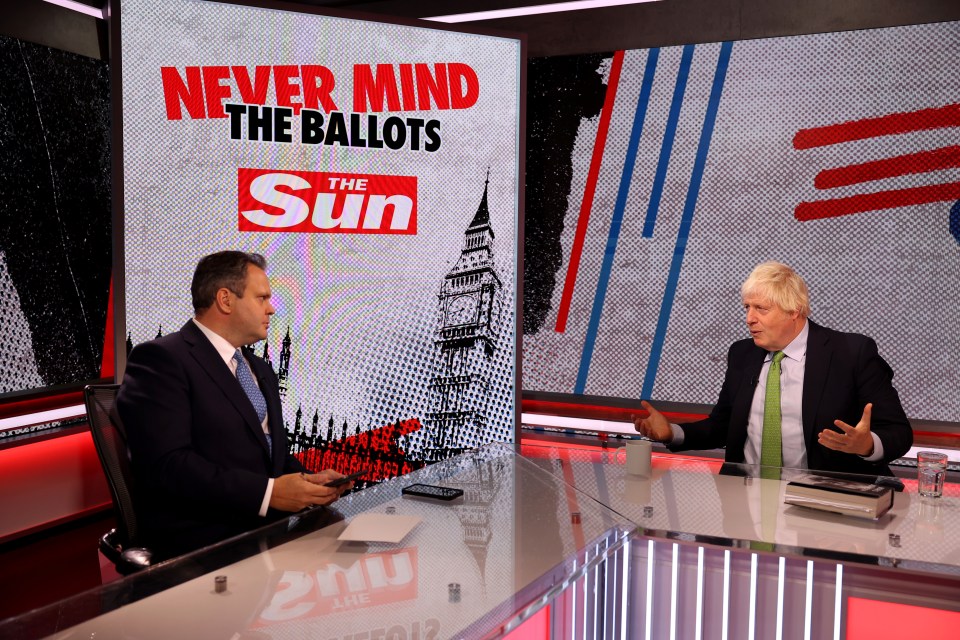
778	284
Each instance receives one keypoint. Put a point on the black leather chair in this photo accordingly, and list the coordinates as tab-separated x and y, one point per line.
119	545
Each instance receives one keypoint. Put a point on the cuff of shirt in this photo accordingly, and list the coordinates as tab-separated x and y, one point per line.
266	497
877	454
677	439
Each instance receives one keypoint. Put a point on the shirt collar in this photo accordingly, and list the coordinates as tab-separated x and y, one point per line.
797	348
224	348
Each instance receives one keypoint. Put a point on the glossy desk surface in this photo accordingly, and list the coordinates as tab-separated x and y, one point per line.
527	526
474	567
687	498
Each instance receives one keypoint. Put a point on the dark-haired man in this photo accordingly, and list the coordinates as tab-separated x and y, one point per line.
203	418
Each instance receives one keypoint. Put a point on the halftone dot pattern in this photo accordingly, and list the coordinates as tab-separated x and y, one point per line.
361	310
636	253
868	272
552	363
18	369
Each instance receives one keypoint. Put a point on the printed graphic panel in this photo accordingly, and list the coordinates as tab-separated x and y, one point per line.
679	169
376	167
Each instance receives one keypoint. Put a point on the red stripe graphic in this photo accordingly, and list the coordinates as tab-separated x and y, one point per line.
107	363
837	207
891	124
584	218
921	162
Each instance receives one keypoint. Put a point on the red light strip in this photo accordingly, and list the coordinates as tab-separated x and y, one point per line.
35	405
549	407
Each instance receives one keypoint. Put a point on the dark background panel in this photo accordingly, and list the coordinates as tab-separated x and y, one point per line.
55	205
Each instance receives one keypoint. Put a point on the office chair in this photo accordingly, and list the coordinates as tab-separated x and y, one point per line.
110	439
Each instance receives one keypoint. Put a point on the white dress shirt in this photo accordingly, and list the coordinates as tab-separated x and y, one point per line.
226	351
791	397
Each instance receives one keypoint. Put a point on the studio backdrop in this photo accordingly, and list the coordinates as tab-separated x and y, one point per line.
659	178
376	167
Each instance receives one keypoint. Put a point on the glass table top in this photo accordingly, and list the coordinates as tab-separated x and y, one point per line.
472	567
708	501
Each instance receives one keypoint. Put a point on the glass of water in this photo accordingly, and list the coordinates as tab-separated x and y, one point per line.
931	469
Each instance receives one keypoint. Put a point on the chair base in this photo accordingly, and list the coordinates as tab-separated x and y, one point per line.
126	560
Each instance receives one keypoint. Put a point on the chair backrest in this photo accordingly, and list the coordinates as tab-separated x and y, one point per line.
110	439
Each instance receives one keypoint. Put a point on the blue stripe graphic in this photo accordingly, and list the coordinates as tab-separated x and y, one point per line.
666	149
625	177
693	191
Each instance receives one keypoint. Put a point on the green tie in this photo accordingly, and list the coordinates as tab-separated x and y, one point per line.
771	454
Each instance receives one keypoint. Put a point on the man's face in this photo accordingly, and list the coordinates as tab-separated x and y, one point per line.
771	327
251	312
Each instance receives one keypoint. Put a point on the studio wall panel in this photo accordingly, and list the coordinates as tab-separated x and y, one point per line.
382	185
835	153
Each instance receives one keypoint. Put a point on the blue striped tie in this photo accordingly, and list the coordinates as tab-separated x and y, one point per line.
253	392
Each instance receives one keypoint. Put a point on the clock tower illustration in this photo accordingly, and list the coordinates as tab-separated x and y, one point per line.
466	336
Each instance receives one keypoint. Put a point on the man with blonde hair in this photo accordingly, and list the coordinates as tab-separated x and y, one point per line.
796	394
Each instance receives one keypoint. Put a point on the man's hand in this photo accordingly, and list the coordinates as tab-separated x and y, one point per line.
296	491
655	426
325	476
856	440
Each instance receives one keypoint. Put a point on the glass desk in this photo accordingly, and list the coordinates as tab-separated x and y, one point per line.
476	567
560	536
710	559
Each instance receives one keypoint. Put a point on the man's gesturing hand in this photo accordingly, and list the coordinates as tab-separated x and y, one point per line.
856	440
655	426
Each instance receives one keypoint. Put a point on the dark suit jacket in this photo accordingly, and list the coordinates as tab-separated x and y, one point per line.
843	372
197	448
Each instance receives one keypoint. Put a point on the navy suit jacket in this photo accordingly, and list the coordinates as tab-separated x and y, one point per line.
197	448
843	372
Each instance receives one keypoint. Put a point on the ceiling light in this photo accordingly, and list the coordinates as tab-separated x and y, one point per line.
554	7
78	6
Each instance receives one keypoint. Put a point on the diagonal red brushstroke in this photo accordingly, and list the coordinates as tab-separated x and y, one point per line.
587	203
375	449
890	124
922	162
837	207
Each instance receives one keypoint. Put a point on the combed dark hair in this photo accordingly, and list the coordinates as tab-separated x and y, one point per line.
225	269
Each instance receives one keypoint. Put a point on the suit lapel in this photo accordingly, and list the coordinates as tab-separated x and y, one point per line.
748	387
211	362
815	373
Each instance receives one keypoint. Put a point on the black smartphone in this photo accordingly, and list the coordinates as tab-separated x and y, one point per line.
431	491
339	482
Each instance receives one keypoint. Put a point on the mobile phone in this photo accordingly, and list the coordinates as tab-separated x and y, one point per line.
339	482
431	491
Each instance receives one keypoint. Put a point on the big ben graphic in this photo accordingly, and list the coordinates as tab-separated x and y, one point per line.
468	323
